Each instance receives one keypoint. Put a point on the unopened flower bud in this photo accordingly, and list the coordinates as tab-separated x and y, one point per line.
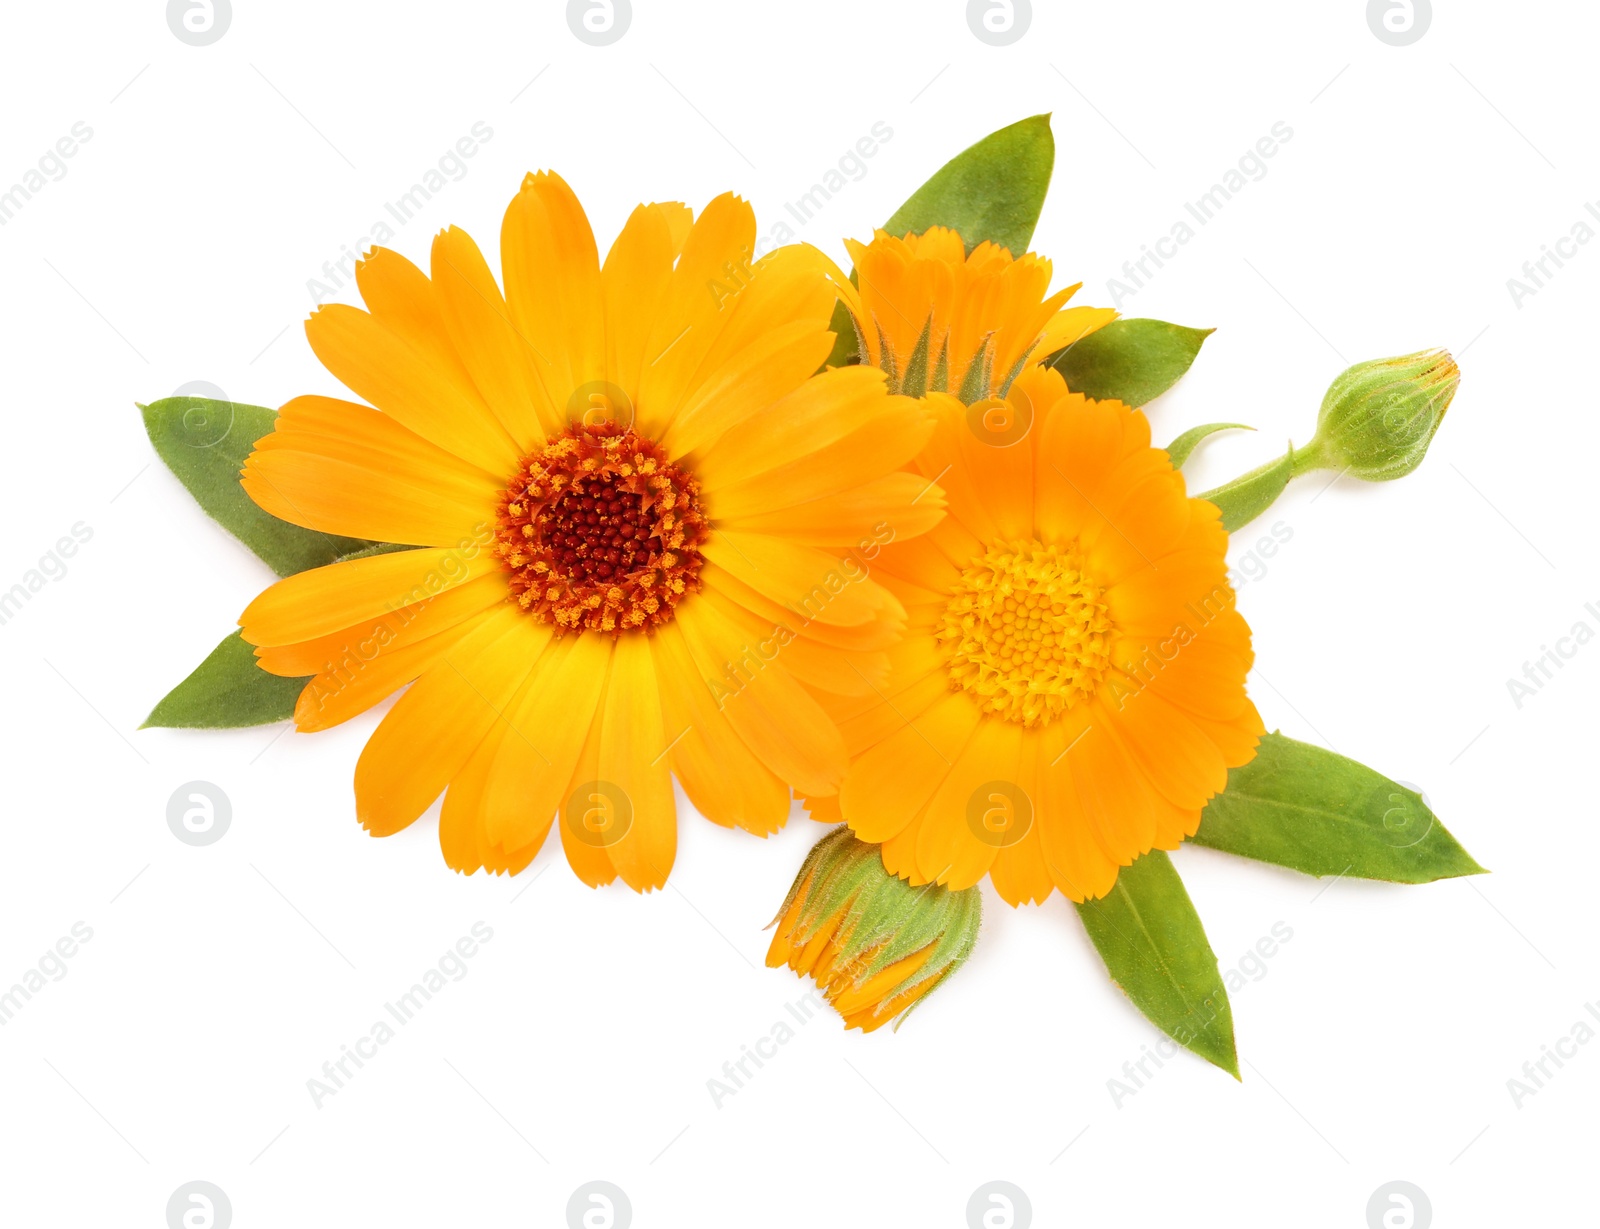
1378	418
874	944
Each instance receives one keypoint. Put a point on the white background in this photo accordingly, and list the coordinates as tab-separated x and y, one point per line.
1379	1042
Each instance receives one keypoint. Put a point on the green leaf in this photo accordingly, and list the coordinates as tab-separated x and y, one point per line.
994	190
227	690
1249	495
1181	448
1150	937
1131	361
1299	806
205	444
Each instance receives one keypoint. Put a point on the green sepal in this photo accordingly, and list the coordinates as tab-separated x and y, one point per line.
226	691
205	444
376	548
1183	447
914	383
1131	361
846	338
1249	495
1315	811
1148	933
993	190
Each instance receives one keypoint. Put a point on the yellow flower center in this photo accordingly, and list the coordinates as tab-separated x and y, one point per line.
1026	632
600	532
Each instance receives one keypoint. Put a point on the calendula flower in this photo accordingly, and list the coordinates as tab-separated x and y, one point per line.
1071	688
874	944
628	492
938	319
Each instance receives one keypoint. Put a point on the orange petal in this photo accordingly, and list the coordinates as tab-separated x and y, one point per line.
329	599
633	759
775	717
719	773
552	279
425	739
402	381
499	359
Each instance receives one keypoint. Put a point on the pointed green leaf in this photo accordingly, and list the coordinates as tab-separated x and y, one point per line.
1314	811
1249	495
1131	361
205	443
994	190
1183	447
1155	948
225	691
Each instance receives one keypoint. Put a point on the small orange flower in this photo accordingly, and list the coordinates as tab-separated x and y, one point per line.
940	320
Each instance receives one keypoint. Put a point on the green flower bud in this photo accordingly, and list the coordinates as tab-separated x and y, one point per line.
875	945
1378	418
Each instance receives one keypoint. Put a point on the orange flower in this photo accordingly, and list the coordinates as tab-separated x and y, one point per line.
627	489
940	320
1071	688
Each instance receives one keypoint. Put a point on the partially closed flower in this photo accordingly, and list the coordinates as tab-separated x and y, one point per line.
875	945
938	319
